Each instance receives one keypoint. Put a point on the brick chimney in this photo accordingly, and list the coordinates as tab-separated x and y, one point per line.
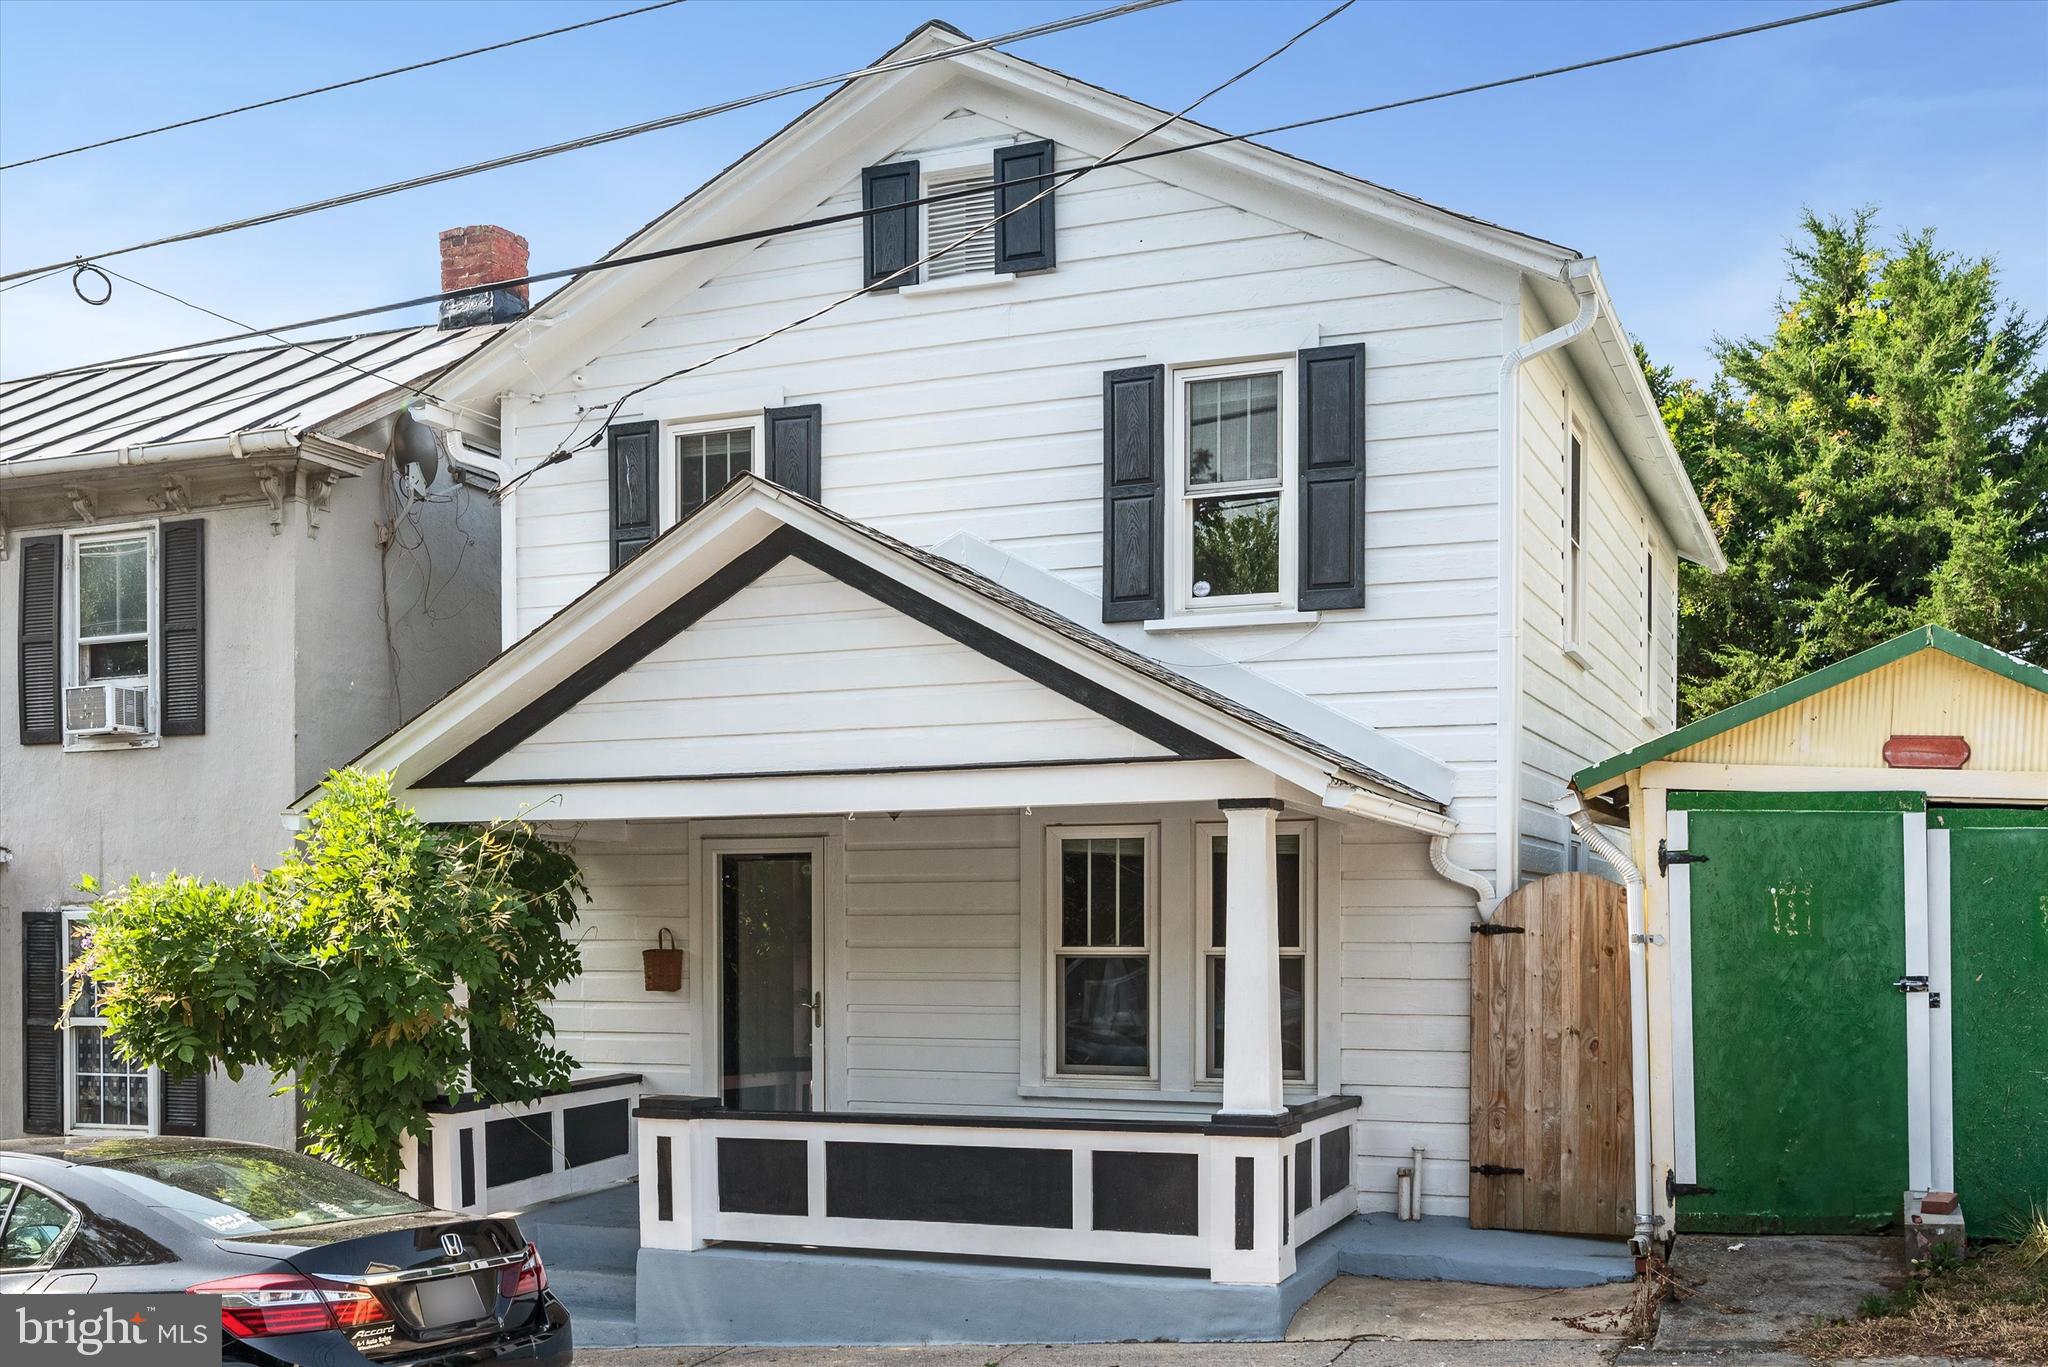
476	256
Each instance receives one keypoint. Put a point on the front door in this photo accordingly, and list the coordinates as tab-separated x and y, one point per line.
1797	935
771	1008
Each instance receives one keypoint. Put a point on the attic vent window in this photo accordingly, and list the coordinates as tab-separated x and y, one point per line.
947	221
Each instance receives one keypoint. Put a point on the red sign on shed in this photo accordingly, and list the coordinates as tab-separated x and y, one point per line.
1926	752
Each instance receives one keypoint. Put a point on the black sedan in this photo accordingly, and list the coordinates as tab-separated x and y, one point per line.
313	1264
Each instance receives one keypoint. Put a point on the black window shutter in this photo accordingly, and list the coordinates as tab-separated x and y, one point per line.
42	616
1024	240
1332	477
635	483
183	708
42	1005
181	1105
890	239
1134	494
793	457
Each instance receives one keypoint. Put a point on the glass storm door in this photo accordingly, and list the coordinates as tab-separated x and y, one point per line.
771	1004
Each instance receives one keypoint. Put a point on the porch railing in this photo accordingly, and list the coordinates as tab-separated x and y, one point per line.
1230	1196
479	1155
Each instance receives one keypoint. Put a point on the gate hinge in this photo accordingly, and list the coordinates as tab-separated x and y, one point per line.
1496	928
1666	857
1912	982
1673	1188
1495	1170
1646	939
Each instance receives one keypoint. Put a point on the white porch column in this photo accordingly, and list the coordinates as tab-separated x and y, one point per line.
1251	960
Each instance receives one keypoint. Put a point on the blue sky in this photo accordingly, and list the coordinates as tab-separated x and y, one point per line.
1685	174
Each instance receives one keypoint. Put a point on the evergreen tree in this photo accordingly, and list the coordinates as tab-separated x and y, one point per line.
1879	462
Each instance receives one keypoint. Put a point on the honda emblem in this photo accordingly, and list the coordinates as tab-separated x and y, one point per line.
451	1244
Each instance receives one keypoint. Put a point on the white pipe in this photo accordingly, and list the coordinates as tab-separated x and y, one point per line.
1582	277
1440	860
1404	1191
1573	807
1415	1187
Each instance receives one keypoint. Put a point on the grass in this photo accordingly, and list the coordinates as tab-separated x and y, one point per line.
1995	1305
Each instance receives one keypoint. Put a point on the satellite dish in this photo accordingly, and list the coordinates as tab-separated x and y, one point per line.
416	446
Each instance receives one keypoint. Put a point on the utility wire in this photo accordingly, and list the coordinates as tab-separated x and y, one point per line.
598	139
302	346
338	85
570	445
850	215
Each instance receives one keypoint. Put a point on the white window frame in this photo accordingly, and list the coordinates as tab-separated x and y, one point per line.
71	916
1181	498
1647	665
669	475
1574	542
74	649
1055	1067
1206	950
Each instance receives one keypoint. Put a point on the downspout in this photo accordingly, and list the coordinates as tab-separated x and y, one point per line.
1580	275
1573	807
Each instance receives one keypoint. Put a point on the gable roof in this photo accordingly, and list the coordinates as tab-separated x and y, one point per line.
752	525
195	397
1785	695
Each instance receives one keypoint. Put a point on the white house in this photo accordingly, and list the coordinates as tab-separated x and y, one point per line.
1183	602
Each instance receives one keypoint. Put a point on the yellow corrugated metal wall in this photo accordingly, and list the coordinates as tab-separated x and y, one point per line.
1927	693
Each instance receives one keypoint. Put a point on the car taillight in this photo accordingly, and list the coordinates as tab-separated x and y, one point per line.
266	1304
528	1278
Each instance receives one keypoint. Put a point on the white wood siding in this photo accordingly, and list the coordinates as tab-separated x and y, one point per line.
981	411
1577	711
638	876
1406	1024
799	672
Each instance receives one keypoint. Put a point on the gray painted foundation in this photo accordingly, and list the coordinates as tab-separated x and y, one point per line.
787	1297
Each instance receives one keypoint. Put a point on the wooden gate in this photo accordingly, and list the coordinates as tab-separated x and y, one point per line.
1552	1120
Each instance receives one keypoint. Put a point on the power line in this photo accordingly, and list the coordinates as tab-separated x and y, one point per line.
597	139
568	446
851	215
338	85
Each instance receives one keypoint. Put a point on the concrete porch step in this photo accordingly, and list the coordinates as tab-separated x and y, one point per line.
1437	1248
594	1247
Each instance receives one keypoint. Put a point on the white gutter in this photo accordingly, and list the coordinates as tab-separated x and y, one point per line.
1573	807
273	441
1580	276
1341	796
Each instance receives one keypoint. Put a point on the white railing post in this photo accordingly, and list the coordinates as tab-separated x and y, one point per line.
1248	1193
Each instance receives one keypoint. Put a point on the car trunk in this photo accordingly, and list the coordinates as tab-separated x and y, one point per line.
439	1276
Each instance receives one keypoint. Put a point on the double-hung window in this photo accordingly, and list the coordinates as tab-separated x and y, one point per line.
709	456
111	607
1296	929
1103	885
103	1090
1234	546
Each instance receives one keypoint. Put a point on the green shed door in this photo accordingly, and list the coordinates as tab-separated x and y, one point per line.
1998	976
1797	934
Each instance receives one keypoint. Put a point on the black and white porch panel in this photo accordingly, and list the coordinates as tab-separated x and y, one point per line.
1231	1197
478	1155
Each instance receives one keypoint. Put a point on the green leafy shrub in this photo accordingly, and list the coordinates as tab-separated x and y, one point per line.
384	962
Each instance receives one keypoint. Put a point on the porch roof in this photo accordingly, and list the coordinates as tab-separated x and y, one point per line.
472	738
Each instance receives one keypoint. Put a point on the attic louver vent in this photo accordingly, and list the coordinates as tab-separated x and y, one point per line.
950	220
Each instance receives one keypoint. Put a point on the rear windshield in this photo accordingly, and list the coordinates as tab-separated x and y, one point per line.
244	1191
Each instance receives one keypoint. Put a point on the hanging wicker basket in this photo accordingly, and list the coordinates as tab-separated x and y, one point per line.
663	964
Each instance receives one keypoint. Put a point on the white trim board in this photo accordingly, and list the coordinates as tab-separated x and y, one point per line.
1919	1097
1685	1165
1941	1063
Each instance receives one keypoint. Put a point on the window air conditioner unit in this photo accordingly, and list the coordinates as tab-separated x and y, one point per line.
107	709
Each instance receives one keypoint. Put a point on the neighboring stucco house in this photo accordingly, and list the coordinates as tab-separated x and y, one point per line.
1185	603
220	575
